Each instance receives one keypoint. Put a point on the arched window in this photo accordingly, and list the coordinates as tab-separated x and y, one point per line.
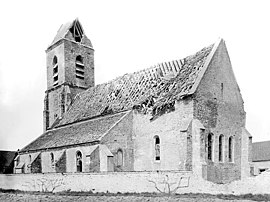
220	148
230	149
79	161
52	159
55	71
210	146
79	67
119	157
157	148
30	158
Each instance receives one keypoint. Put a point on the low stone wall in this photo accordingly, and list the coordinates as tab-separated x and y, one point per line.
166	181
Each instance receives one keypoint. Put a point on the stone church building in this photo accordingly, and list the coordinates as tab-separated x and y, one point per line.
183	115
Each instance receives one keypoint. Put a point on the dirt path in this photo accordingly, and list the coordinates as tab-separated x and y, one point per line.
7	197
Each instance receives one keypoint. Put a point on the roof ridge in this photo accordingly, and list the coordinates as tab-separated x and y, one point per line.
163	80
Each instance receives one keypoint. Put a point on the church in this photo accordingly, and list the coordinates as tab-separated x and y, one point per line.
181	115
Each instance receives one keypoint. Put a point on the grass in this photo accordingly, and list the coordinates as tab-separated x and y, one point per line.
254	197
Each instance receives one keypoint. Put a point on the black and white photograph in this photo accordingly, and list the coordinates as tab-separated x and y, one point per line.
148	100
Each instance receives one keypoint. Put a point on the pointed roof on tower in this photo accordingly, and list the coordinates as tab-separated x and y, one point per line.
71	31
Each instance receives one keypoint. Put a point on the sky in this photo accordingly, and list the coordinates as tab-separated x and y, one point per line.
128	36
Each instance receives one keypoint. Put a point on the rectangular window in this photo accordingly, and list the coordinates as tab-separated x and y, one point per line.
230	149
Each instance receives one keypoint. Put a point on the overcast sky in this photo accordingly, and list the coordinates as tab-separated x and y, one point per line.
128	36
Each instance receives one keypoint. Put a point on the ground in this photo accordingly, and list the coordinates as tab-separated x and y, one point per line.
22	196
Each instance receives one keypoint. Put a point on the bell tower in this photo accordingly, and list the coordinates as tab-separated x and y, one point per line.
70	70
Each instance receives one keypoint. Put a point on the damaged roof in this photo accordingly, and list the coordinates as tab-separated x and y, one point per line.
261	151
152	90
66	32
83	132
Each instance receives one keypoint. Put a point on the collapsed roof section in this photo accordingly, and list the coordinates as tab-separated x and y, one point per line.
71	31
153	90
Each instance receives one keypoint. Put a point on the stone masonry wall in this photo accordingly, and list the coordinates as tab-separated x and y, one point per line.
64	160
36	165
60	165
139	182
219	106
46	161
58	51
72	50
94	165
66	53
111	182
171	128
27	159
120	137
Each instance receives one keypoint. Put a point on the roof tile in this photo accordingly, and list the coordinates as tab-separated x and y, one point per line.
83	132
155	87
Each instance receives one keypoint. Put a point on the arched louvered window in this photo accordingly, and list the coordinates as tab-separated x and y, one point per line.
157	148
209	145
230	149
220	148
79	67
119	157
55	71
79	161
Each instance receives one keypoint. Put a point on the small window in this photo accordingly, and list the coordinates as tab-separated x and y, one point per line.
119	157
230	149
209	146
55	71
52	159
79	68
157	148
220	148
30	158
62	103
79	161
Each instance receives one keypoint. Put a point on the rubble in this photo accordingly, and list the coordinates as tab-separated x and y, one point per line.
153	90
